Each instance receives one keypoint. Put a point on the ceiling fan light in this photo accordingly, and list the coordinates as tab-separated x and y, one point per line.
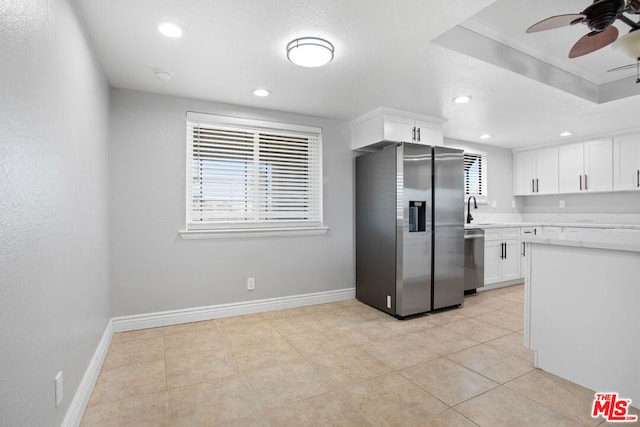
310	52
628	45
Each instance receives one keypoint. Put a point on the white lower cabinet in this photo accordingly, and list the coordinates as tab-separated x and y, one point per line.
501	255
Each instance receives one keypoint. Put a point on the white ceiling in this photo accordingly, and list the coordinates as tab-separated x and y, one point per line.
384	56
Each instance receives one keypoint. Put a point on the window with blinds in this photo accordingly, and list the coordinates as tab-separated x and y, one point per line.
251	174
475	175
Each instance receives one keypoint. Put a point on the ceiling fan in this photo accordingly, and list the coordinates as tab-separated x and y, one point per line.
599	17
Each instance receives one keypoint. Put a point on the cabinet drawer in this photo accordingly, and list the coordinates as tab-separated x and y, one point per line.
502	233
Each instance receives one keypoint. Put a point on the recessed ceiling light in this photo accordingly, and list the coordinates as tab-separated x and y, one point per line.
462	99
165	76
261	92
485	136
310	52
170	29
566	133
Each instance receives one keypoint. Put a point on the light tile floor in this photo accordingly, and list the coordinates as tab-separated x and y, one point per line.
341	364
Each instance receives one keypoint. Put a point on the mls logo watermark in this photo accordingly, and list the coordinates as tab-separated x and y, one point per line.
612	408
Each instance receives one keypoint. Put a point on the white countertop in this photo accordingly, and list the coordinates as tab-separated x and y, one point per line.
552	224
629	244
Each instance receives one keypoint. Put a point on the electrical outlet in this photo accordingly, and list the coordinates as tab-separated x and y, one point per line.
251	283
493	204
513	203
562	203
59	390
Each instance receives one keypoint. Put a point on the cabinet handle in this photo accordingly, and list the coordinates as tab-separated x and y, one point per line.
535	231
585	183
413	138
505	250
537	186
523	250
533	185
638	178
418	134
580	182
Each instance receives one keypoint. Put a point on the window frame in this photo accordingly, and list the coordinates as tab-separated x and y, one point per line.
484	197
258	228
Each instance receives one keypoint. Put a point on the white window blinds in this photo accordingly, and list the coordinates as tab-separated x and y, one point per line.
474	175
251	174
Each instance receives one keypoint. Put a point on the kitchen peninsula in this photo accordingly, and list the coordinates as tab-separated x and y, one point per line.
582	316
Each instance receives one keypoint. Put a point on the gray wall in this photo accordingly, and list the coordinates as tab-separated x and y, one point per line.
154	269
499	176
53	215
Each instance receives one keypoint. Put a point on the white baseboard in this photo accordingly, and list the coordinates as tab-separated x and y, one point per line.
501	285
74	414
176	317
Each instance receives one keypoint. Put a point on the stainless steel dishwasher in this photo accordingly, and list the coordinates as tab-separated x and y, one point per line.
473	259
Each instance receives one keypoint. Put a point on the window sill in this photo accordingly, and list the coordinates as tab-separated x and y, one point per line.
252	232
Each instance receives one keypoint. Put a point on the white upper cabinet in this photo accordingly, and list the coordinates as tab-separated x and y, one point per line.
626	163
536	171
386	125
585	166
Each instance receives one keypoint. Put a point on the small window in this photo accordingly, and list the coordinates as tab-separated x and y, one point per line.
475	175
248	174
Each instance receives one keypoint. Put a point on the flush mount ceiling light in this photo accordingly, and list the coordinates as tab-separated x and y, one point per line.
310	52
485	136
171	30
566	133
462	99
261	92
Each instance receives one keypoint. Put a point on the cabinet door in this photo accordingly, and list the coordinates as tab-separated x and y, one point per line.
570	167
598	165
525	163
429	134
511	262
492	261
626	163
547	170
398	129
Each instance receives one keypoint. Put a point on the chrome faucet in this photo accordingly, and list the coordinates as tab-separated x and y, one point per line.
475	206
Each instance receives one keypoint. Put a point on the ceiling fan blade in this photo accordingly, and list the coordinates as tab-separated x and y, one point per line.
594	41
624	67
556	22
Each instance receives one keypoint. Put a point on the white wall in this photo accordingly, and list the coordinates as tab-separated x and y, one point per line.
53	215
154	269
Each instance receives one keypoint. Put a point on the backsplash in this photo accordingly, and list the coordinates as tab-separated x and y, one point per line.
569	218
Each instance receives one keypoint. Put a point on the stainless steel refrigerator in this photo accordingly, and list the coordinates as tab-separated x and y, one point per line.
410	228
